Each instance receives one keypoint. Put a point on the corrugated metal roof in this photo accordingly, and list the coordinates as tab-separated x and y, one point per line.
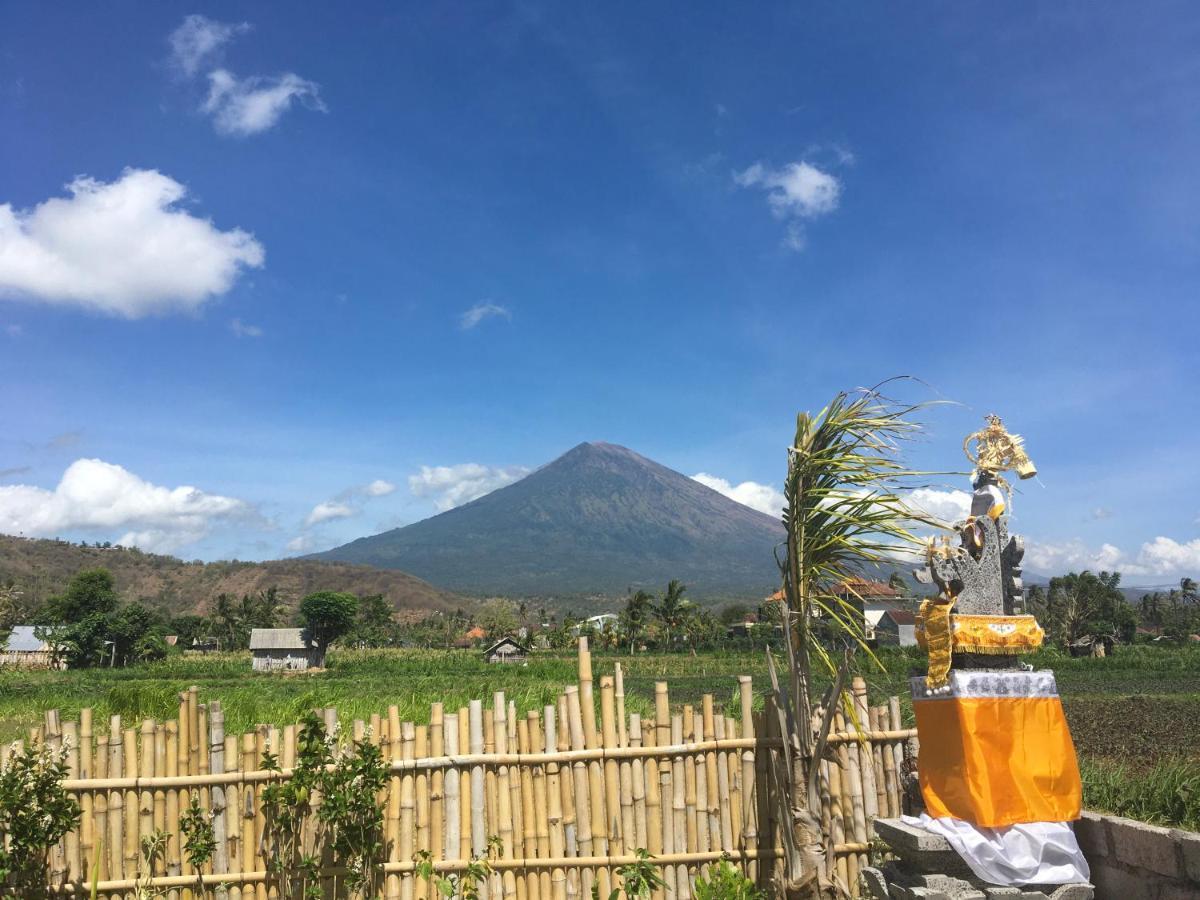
23	640
279	639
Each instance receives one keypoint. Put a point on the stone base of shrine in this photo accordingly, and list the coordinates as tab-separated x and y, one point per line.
929	868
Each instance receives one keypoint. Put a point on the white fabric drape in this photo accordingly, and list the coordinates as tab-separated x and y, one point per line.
1031	853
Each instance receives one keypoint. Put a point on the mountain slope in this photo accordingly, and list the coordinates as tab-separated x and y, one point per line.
599	519
42	568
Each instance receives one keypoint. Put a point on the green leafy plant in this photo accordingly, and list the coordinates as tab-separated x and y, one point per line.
464	885
154	852
639	879
199	840
725	881
35	813
348	821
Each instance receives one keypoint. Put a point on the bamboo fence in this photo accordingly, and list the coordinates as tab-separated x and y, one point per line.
572	792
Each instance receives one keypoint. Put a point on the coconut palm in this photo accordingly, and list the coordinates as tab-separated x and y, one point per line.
672	611
843	510
635	617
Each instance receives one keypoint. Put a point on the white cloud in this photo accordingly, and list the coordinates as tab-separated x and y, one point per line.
124	248
244	329
98	496
379	488
481	311
330	509
246	106
1161	557
948	506
1101	512
199	39
763	497
797	192
452	486
301	544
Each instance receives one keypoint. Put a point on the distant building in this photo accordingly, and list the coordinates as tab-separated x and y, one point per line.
596	623
470	638
896	628
284	649
506	650
205	645
24	649
874	599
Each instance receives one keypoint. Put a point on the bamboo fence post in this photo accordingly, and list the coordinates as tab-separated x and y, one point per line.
890	773
478	798
712	777
175	798
71	842
539	801
654	800
101	859
845	795
896	724
464	787
618	838
247	812
504	807
625	770
421	751
691	790
749	809
877	775
731	760
679	810
233	814
260	816
116	800
216	764
52	739
146	797
408	822
637	791
526	836
596	805
724	788
701	775
437	782
582	797
392	751
450	782
87	801
866	752
661	769
857	804
567	788
515	802
558	875
837	830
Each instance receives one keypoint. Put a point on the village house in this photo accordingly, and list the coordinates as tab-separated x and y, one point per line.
24	649
896	628
289	649
506	650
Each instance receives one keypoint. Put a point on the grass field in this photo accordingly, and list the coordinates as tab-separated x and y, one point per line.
1135	716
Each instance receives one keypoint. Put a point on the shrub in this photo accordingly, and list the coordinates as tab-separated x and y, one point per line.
35	813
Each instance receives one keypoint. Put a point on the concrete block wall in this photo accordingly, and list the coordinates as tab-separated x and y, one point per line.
1134	861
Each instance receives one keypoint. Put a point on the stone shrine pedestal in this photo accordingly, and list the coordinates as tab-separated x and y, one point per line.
929	868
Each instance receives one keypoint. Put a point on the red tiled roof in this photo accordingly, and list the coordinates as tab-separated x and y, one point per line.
901	616
865	589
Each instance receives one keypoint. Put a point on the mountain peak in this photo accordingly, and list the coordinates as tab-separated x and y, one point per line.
601	518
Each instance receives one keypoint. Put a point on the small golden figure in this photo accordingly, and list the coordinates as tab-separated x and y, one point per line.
996	450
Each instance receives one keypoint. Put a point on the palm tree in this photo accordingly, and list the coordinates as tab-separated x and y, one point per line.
635	616
672	610
842	510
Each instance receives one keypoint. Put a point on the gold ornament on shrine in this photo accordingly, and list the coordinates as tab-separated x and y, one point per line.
997	450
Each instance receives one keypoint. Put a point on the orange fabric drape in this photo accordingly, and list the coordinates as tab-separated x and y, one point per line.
997	761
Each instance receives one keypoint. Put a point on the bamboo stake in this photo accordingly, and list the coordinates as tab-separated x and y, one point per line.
654	804
897	749
71	841
866	751
420	750
702	793
504	805
116	800
558	875
662	769
146	797
87	835
877	776
691	790
478	798
408	821
890	773
170	761
464	787
247	811
625	770
233	813
100	869
637	774
845	789
583	798
52	739
724	792
618	839
749	811
538	808
567	787
679	810
392	885
216	764
261	745
437	782
450	784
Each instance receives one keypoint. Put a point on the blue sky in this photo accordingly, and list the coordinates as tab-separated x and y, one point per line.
290	255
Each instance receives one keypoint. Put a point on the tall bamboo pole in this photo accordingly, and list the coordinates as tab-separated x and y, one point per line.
558	875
